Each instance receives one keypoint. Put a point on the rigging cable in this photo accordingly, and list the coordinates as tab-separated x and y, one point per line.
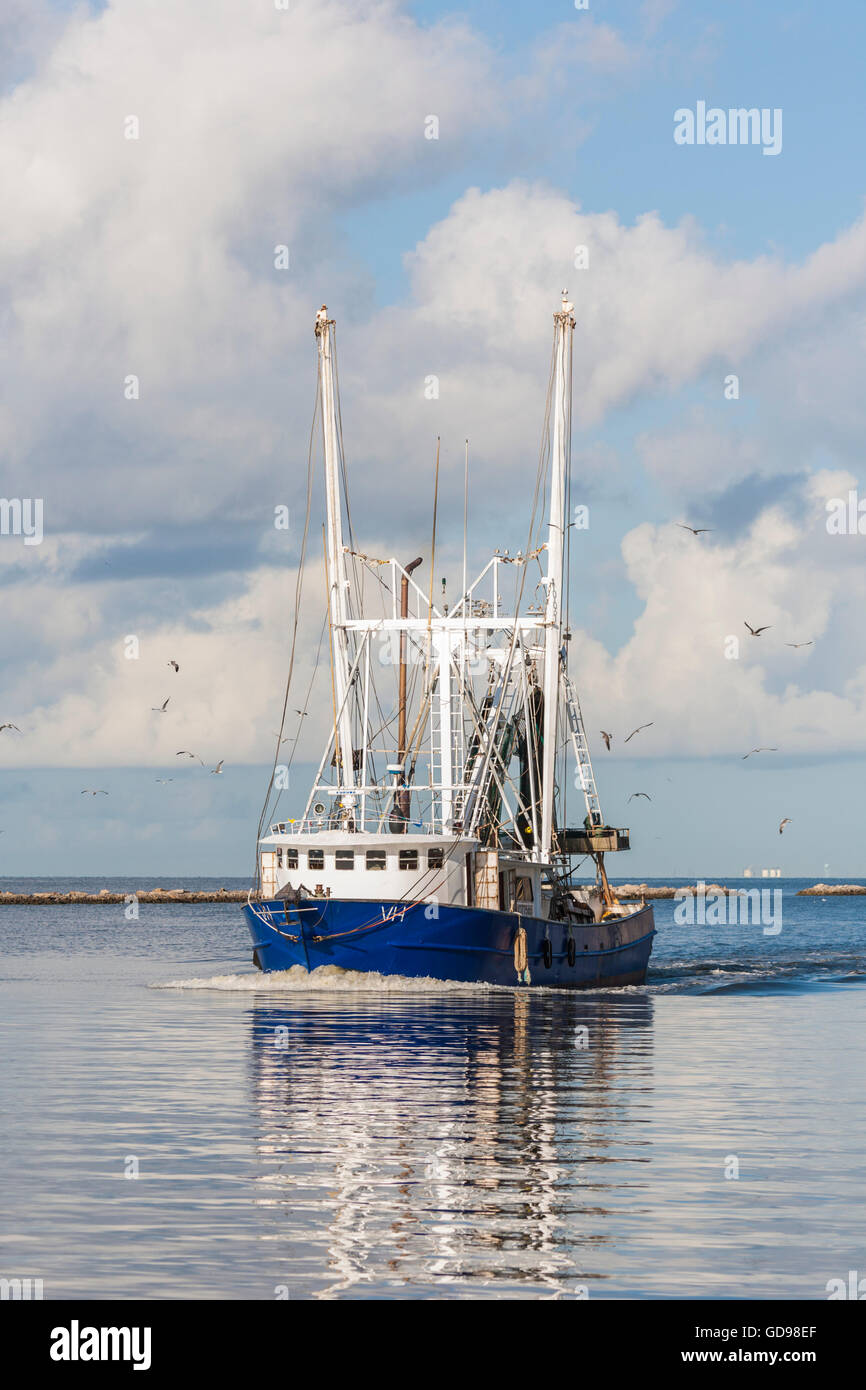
299	583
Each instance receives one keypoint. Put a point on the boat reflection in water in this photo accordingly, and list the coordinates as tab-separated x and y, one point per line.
450	1145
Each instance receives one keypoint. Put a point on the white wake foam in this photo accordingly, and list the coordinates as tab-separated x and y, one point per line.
325	977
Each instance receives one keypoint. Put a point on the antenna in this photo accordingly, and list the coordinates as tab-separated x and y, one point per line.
465	520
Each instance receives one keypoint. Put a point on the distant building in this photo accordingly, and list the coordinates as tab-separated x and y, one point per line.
762	873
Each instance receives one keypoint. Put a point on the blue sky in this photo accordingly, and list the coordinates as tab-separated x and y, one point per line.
156	257
805	59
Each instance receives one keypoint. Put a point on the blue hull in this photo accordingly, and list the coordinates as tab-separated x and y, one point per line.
473	945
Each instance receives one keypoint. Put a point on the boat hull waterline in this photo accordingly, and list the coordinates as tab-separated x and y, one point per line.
468	945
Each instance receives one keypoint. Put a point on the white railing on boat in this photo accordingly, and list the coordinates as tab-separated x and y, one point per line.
328	825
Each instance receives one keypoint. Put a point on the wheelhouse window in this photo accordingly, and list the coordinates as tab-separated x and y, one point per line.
290	858
316	859
375	859
345	859
435	858
280	858
408	859
523	889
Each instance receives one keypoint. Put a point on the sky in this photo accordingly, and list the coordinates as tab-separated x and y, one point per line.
157	384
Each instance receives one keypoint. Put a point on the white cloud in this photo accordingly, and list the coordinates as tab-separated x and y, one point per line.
699	593
155	257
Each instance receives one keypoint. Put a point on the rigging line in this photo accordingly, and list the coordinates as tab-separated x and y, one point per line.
299	583
343	474
306	705
506	779
465	521
428	679
540	473
338	752
359	587
544	450
433	544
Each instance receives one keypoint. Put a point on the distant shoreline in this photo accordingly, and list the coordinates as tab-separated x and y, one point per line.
240	895
145	895
818	890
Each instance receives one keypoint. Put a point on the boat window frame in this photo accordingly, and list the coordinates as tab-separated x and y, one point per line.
521	895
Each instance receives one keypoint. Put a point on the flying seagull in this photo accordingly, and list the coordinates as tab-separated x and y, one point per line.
165	779
607	738
634	794
302	712
161	708
100	791
174	666
218	769
185	753
10	726
695	530
759	750
638	729
801	644
786	821
756	631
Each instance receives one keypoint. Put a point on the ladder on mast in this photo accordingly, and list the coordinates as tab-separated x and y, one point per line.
581	751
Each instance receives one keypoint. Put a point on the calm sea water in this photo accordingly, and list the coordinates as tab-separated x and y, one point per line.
352	1137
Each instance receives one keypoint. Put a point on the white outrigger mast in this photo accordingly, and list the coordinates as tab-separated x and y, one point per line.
466	760
556	532
337	579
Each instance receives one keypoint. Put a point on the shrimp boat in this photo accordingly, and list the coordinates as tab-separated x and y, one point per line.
446	852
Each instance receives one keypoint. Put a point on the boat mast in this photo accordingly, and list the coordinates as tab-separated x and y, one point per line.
337	580
560	463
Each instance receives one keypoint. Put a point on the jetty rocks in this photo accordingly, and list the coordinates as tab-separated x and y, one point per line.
143	895
818	890
828	890
239	895
655	890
